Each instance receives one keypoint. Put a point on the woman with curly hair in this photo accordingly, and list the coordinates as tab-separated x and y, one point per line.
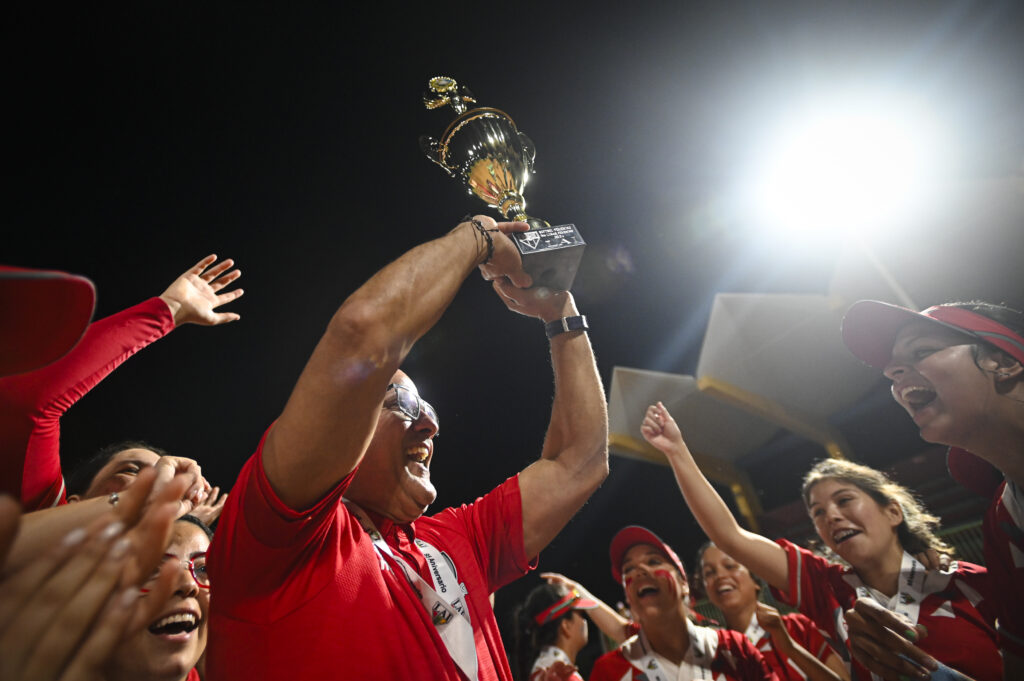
958	371
873	525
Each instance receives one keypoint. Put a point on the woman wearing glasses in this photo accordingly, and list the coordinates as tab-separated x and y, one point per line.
170	647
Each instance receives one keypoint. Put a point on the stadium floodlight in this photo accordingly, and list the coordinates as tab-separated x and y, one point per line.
849	168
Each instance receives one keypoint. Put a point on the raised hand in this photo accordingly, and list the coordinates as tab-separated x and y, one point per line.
210	509
572	585
505	261
540	302
172	467
660	429
195	295
771	621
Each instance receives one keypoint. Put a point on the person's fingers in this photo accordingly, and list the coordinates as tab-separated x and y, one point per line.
882	642
225	279
506	227
60	639
49	597
228	296
872	611
202	264
215	271
105	635
134	498
170	467
152	533
499	286
213	496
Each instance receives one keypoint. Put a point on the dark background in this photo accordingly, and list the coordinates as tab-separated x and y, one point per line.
139	140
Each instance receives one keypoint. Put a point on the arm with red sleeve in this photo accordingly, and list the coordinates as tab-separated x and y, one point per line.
32	404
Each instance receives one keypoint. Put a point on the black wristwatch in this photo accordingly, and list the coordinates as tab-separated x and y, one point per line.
577	323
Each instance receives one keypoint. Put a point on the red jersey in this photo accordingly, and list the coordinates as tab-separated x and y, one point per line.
952	607
305	594
32	403
803	632
1004	556
714	655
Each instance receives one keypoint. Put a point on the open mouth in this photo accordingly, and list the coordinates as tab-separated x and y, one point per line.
419	454
725	589
842	535
175	624
647	590
917	397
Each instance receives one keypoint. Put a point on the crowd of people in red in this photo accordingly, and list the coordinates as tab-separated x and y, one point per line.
325	564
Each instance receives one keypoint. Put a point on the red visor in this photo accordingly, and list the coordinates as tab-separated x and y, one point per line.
571	601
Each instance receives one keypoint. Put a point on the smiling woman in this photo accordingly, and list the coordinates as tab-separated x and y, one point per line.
863	518
791	644
958	371
669	645
170	647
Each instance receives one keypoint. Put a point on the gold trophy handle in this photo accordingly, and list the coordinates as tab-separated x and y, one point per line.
432	150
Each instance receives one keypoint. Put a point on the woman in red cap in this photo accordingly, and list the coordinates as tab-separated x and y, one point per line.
669	645
876	527
957	370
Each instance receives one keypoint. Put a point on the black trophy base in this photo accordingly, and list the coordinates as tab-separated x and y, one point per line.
551	255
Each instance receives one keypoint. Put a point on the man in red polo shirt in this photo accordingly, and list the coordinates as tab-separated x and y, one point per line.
311	585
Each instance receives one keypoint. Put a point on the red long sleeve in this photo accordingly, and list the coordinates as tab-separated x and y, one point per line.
31	404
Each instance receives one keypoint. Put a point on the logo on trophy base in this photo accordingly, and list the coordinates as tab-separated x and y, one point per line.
494	160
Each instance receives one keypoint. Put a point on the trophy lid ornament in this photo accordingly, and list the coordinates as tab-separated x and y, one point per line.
483	148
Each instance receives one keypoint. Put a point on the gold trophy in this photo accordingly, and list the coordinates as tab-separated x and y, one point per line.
485	151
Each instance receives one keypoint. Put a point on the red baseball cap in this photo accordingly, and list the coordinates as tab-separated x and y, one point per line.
869	331
870	328
630	536
43	314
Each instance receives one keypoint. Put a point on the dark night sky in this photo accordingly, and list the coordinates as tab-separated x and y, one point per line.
141	140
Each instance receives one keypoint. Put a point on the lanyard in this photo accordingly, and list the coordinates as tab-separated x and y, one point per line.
448	612
696	663
915	583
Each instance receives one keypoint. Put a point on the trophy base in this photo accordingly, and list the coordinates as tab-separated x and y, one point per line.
551	255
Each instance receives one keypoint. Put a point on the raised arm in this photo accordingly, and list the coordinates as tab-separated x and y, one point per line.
332	411
32	404
761	555
574	459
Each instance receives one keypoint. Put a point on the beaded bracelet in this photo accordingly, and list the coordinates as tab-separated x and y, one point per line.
487	235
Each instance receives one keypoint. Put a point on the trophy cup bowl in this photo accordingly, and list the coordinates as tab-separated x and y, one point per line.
484	150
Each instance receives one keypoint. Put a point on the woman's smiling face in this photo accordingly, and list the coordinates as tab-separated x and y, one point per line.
937	380
728	584
651	581
851	522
